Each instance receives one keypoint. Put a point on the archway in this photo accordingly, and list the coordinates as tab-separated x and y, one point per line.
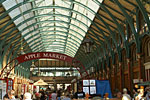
46	55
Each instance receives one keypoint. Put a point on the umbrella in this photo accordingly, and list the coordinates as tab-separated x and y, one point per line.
144	83
40	82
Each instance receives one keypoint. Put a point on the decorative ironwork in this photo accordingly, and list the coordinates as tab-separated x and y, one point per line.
87	45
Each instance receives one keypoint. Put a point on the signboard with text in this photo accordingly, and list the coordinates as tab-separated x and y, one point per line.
47	55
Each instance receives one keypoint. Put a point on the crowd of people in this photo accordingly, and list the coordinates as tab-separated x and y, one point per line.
138	94
41	95
11	96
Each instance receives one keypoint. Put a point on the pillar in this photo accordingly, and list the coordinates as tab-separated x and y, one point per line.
107	76
104	75
141	69
120	67
113	78
114	75
130	80
100	75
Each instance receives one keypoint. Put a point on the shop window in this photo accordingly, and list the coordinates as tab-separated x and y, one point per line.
147	71
10	84
147	74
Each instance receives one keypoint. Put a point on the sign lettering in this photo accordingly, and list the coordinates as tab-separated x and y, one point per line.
47	55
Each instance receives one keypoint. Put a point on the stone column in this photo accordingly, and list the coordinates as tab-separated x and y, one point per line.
141	71
120	67
129	75
114	74
107	76
104	75
100	75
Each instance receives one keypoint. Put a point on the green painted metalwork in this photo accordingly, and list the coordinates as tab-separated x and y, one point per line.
14	7
137	21
12	21
105	27
44	7
104	49
19	24
111	33
131	3
59	41
26	28
108	6
24	3
11	50
98	38
106	38
145	15
72	48
110	19
130	21
119	29
99	18
45	35
115	21
83	56
87	62
83	53
70	15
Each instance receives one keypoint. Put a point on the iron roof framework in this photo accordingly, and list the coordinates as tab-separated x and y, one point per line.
61	25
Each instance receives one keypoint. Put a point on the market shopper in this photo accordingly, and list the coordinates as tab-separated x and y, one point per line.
27	96
79	94
10	95
54	95
66	97
140	95
148	93
126	96
119	96
135	94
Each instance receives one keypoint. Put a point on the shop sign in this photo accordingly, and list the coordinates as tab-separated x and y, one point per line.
137	80
46	55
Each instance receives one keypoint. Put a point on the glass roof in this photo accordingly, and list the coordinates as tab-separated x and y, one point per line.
54	25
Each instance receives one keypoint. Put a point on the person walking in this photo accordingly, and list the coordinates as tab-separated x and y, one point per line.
27	96
66	97
10	95
126	96
54	95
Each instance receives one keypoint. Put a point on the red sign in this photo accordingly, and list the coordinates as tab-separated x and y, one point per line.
46	55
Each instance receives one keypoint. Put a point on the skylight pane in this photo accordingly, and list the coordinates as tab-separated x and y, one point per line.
61	18
9	4
55	30
62	11
93	5
62	24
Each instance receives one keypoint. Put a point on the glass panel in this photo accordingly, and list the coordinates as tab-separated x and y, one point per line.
53	33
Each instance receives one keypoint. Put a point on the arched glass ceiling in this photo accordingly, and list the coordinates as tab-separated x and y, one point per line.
62	30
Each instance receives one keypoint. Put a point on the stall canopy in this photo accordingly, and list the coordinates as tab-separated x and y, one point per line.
40	82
